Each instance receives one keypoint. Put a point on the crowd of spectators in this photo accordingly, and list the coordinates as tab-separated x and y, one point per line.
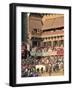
52	64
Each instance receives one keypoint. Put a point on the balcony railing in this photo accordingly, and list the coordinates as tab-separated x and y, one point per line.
53	33
40	34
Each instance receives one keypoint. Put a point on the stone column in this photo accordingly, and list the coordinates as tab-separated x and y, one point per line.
52	43
24	27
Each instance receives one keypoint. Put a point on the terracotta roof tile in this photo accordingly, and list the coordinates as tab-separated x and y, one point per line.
53	23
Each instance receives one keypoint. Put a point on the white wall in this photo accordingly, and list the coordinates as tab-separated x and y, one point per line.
4	44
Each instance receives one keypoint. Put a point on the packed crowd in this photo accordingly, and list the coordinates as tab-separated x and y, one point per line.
51	63
46	49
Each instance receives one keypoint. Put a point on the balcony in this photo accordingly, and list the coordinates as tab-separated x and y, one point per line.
53	33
